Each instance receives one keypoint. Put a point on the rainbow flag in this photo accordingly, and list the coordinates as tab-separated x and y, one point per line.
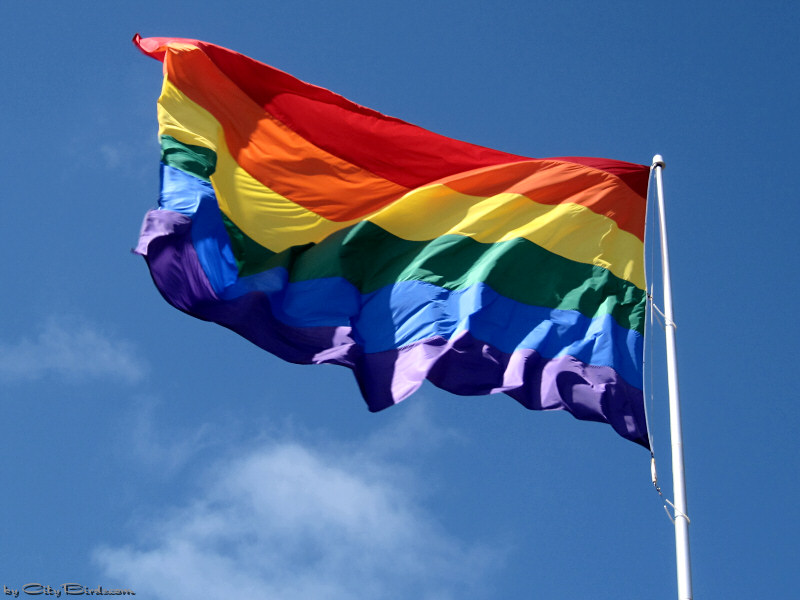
326	232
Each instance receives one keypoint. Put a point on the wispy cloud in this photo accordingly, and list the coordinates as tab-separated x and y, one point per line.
291	521
114	155
164	450
71	350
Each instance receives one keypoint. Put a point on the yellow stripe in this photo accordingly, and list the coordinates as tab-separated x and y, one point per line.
277	223
186	121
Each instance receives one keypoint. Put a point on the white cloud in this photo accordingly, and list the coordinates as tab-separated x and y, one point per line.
164	451
114	155
71	350
290	522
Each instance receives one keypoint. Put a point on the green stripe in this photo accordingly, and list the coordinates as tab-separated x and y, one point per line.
371	258
251	257
195	160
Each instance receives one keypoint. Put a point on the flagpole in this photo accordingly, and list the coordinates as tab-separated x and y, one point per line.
681	520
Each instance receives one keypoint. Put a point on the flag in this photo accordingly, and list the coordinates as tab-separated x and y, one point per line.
326	232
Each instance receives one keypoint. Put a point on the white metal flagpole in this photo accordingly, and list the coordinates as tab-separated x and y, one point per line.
680	519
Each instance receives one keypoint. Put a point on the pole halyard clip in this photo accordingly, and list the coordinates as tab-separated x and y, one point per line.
654	476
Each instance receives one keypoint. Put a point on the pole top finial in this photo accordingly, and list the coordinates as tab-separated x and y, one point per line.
658	161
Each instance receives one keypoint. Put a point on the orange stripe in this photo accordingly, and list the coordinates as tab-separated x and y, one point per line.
272	153
555	182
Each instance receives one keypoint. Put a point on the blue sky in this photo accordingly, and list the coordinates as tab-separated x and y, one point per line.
142	449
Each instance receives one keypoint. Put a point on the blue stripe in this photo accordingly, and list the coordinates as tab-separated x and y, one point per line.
186	194
412	311
181	191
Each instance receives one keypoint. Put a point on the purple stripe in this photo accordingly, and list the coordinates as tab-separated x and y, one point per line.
462	365
466	366
166	244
